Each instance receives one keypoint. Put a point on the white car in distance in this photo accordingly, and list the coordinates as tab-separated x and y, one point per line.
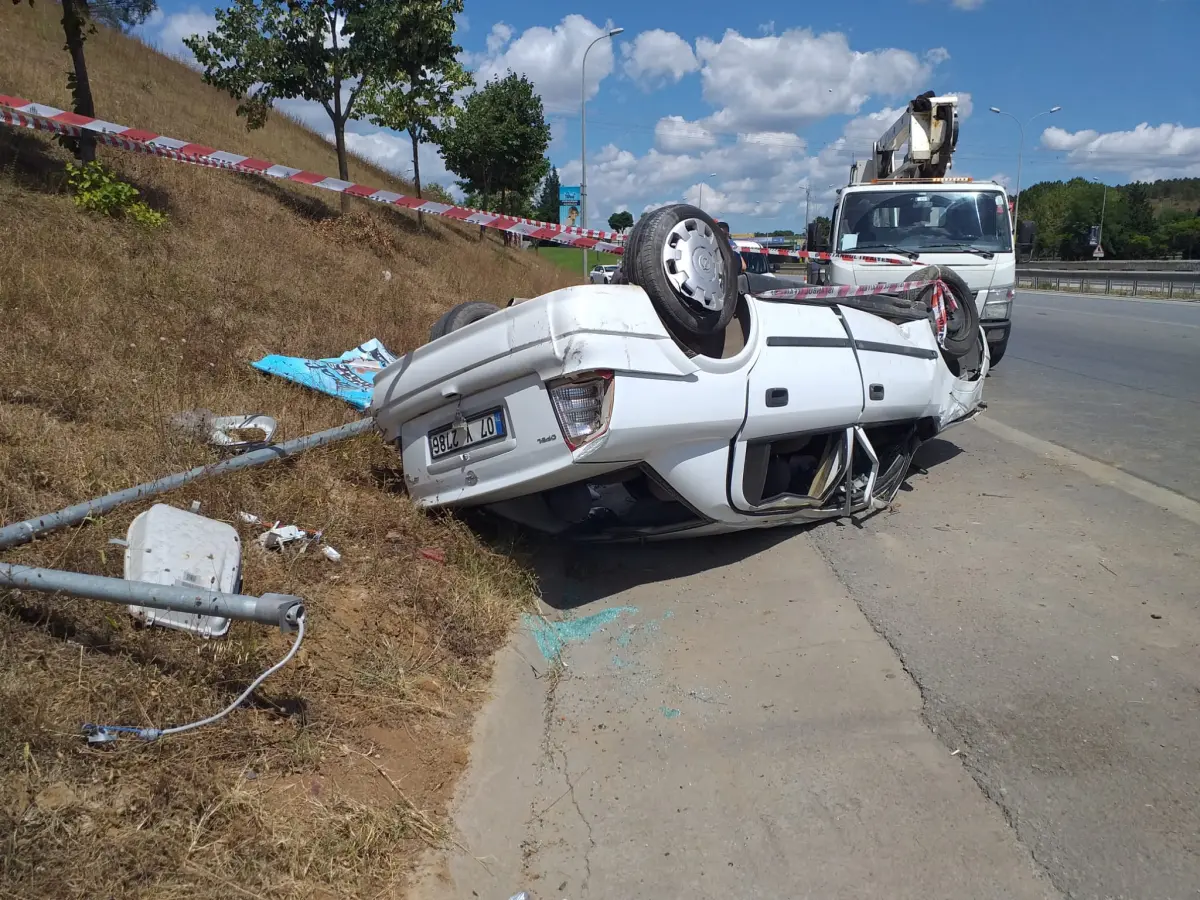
603	274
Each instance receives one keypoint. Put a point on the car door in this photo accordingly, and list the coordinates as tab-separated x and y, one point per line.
805	385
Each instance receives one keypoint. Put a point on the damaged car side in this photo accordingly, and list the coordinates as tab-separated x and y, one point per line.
676	401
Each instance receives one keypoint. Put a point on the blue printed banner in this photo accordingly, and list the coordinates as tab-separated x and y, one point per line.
349	377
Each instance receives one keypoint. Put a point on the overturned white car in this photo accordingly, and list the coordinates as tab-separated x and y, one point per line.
679	401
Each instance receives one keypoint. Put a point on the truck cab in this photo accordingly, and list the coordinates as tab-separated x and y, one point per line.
958	223
901	203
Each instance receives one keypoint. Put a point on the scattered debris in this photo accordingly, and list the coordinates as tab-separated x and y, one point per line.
236	434
433	553
348	377
172	546
277	536
552	637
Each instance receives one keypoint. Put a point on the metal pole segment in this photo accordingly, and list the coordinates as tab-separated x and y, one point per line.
282	610
23	532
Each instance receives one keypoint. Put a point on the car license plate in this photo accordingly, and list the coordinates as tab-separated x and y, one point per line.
477	430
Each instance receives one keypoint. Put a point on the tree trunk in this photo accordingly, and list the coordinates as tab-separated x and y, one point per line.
339	137
412	133
74	20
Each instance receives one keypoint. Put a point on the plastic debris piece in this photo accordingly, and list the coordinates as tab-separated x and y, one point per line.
434	553
172	546
231	433
330	554
249	518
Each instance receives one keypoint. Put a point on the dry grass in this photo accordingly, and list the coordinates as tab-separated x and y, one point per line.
338	772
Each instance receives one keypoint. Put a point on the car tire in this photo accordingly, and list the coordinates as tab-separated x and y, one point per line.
682	260
460	316
962	327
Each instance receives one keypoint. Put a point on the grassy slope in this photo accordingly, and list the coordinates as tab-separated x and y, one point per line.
108	331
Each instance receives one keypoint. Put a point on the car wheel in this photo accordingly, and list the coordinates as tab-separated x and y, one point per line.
684	263
461	316
962	325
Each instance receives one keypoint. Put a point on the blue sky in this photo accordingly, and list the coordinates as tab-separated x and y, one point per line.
752	103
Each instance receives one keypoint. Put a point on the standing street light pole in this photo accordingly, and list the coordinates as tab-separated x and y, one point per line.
700	205
583	137
1103	204
1020	153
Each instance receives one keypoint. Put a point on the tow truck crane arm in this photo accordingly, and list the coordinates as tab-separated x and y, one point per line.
929	126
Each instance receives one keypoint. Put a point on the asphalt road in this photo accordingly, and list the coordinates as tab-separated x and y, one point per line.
1115	380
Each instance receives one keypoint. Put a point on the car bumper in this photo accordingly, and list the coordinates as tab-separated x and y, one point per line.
997	330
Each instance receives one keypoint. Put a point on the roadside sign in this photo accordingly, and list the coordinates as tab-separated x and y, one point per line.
568	205
1098	253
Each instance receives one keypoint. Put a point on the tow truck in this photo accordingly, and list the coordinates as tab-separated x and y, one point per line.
910	207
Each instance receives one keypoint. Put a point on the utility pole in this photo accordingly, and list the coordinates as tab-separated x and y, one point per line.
1020	153
583	138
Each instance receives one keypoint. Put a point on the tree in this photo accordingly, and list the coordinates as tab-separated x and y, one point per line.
497	145
546	208
824	228
267	50
619	221
78	21
420	100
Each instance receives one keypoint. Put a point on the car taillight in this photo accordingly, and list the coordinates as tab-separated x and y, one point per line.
582	405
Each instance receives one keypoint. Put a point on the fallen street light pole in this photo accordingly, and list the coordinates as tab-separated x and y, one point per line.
282	610
23	532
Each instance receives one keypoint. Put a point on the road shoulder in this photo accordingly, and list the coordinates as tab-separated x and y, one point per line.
733	727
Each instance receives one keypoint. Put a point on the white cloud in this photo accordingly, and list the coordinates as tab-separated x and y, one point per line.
967	4
552	58
166	32
1146	153
786	81
498	37
658	57
675	134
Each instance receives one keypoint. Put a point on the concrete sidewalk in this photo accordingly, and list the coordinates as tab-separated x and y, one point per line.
727	725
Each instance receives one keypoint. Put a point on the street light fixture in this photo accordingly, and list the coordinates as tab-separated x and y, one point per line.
1021	151
583	137
701	203
1103	204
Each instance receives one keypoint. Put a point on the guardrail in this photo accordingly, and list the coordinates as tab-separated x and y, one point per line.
1165	285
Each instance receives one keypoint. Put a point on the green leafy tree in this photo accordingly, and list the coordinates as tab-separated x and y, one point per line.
621	220
420	97
824	229
546	208
1140	214
323	51
78	21
497	145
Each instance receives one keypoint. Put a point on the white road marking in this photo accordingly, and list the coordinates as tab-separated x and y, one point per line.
1184	507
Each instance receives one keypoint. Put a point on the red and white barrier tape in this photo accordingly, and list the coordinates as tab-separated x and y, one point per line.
22	113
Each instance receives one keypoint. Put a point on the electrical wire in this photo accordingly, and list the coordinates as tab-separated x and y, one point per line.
100	734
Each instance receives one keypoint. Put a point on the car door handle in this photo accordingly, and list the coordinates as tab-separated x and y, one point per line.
777	397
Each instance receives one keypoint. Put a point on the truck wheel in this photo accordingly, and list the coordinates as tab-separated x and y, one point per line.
962	326
682	260
997	351
461	316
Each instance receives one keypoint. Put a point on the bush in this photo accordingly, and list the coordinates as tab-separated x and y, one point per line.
97	189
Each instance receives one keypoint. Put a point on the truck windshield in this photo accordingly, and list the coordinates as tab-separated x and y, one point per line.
910	219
